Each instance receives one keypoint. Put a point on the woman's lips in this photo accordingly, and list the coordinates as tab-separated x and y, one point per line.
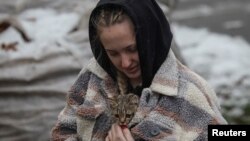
132	70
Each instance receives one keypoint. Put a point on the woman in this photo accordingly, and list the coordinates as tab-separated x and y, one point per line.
133	38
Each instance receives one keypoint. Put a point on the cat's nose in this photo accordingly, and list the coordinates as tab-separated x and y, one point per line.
122	122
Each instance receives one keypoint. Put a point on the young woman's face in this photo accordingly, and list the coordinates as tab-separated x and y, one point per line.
120	44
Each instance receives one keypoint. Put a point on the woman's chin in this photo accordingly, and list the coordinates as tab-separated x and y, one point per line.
136	75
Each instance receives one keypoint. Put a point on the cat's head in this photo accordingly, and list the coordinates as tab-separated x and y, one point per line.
123	107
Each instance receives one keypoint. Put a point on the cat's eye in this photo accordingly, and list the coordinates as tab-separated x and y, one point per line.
116	115
128	116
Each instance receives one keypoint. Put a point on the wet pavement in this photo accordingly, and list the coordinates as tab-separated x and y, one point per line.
230	17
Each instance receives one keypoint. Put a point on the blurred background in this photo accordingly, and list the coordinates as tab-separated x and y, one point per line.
44	44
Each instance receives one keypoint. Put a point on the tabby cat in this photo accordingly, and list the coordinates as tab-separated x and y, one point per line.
123	106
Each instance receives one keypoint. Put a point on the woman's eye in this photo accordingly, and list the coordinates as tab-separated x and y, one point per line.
113	54
132	49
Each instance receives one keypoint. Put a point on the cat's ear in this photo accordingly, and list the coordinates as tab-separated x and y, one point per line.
112	103
133	99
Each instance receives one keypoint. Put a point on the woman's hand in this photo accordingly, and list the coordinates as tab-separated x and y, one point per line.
116	133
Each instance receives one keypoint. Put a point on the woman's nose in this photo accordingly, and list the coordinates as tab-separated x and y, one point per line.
125	61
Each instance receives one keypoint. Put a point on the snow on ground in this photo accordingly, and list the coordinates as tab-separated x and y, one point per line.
39	22
222	60
43	26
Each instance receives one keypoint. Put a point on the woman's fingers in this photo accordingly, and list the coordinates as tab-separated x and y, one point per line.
127	134
116	133
107	138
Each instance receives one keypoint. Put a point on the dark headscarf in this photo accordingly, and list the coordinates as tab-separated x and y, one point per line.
153	36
